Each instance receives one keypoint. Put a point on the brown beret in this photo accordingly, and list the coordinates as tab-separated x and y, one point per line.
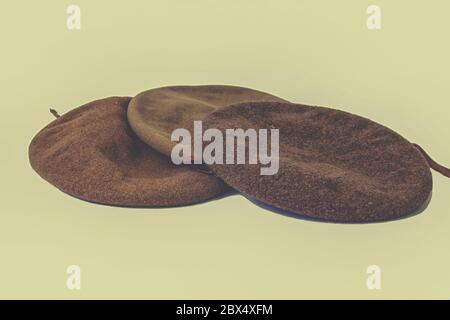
333	165
92	153
155	114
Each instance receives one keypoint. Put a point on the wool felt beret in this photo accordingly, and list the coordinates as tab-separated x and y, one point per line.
333	165
92	153
155	114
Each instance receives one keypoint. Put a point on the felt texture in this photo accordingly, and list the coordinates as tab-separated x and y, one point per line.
155	114
334	165
92	153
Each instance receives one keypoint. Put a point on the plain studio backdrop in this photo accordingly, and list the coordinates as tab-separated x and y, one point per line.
313	52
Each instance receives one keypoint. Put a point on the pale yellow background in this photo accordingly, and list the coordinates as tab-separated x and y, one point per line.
315	52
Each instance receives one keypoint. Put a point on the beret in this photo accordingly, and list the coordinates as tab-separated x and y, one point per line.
155	114
91	153
333	165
